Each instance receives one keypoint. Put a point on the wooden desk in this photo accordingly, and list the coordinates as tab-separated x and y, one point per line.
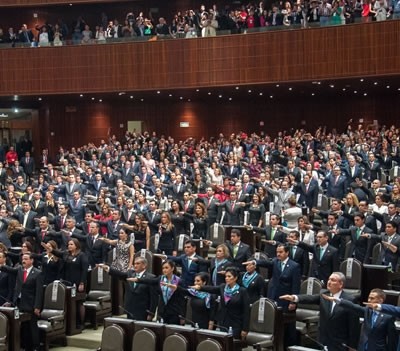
15	318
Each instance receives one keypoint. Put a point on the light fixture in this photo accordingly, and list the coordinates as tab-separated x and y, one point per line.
237	88
312	94
290	89
209	93
131	97
355	91
376	83
16	110
271	96
220	96
331	86
181	98
197	90
230	99
249	91
387	86
170	95
361	80
277	85
40	99
261	94
141	100
365	94
121	93
158	92
100	100
81	95
92	98
344	89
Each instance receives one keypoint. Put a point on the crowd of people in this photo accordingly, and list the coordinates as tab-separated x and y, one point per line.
204	22
61	215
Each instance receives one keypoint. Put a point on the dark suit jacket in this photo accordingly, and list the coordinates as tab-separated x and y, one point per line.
188	272
378	336
282	282
232	216
361	248
243	254
30	223
29	167
29	295
279	238
343	322
322	268
144	293
337	190
387	256
96	252
301	257
309	197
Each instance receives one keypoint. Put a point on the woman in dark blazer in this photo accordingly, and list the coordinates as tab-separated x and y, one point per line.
253	282
171	302
199	220
218	265
202	303
167	235
234	306
51	265
176	217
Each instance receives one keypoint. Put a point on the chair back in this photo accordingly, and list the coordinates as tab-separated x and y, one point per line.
209	345
113	338
376	253
180	243
310	286
263	322
144	339
175	342
352	269
100	280
217	233
3	331
54	296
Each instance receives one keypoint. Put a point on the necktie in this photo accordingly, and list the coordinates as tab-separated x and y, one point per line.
374	317
321	253
282	266
25	275
273	230
233	205
43	234
294	248
235	250
358	232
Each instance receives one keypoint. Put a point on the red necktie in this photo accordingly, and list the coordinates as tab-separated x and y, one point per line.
25	275
43	234
233	205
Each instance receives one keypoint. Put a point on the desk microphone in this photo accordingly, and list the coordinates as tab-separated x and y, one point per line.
127	312
348	347
152	314
322	346
222	327
193	324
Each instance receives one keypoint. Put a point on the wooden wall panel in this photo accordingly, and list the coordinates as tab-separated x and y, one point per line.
298	55
91	121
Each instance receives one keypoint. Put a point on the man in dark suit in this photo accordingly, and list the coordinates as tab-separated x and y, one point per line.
352	171
43	234
28	296
325	259
77	207
28	163
134	292
38	205
390	240
210	201
153	217
361	247
97	184
128	212
299	255
273	236
307	191
177	189
26	217
231	170
372	168
286	279
96	249
231	211
190	262
379	331
71	187
391	216
239	251
25	35
336	184
337	325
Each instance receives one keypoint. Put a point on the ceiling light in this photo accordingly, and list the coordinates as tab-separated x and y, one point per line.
81	95
331	86
92	98
16	110
376	83
197	90
365	94
131	97
170	95
355	91
181	98
387	86
230	99
361	80
40	99
290	89
249	91
209	93
220	96
277	85
312	94
271	96
158	92
141	100
237	88
189	100
344	89
100	100
121	93
261	94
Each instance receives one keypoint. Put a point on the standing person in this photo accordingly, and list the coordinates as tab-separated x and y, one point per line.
167	235
234	306
190	262
337	325
325	256
238	251
202	303
75	271
135	292
28	296
253	282
378	332
96	248
171	303
199	220
141	232
125	251
286	279
7	281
